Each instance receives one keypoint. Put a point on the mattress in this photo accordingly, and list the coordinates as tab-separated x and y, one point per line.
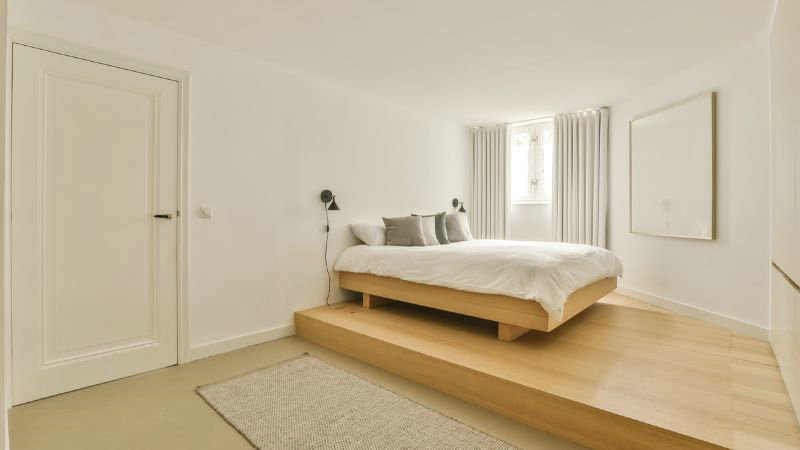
545	272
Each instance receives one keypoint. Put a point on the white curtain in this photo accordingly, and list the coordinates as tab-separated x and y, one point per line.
580	177
488	208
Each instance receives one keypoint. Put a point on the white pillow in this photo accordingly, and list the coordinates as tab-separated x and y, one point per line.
458	227
369	233
429	230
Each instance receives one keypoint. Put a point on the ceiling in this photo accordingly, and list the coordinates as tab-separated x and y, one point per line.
471	61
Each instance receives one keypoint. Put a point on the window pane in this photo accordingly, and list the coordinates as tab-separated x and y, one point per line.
519	165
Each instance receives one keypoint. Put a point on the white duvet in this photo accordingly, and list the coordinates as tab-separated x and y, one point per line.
546	272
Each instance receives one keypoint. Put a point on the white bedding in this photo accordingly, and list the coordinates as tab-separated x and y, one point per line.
546	272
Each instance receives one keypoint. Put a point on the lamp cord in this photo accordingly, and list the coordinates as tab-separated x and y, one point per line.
325	253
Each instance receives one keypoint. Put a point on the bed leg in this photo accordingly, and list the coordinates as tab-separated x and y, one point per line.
370	301
508	333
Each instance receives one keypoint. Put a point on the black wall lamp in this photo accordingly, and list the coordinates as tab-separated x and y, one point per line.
456	204
328	197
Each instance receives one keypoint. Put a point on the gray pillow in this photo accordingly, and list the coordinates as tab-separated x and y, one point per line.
405	231
458	228
429	230
441	227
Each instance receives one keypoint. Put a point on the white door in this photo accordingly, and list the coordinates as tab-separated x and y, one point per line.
94	157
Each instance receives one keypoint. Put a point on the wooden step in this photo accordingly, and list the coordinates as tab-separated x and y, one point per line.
616	376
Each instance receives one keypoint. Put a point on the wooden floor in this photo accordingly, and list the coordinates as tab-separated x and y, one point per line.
622	374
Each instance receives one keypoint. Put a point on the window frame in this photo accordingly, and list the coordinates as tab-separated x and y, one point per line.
535	158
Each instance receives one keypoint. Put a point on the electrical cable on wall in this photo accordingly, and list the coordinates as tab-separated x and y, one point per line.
325	253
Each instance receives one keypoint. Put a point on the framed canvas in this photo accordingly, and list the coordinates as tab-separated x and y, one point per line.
672	170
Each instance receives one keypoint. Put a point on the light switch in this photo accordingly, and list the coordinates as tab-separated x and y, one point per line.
206	212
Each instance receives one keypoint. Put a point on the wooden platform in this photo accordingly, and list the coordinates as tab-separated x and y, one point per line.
621	374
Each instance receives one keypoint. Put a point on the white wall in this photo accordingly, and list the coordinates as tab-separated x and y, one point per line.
264	142
531	222
728	276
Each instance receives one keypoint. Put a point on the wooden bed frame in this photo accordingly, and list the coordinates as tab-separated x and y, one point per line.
514	316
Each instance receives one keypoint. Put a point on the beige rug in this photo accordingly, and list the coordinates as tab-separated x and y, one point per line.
305	403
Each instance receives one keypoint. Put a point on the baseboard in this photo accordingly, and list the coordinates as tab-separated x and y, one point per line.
730	323
237	342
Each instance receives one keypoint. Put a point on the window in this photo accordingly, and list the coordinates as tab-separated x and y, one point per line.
531	155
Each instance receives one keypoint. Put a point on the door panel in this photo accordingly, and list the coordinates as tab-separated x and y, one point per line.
94	275
784	332
782	304
784	226
785	106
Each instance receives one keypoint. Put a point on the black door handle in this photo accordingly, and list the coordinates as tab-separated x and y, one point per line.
163	216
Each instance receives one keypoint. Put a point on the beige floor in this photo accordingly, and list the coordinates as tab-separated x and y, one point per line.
160	410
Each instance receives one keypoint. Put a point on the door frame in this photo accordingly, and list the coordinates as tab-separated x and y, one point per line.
183	78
